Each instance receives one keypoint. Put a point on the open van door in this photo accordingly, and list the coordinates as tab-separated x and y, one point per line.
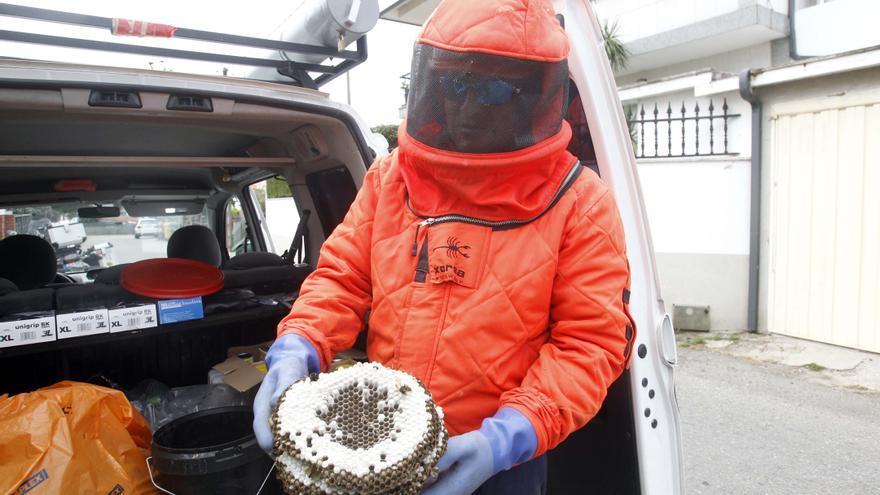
648	394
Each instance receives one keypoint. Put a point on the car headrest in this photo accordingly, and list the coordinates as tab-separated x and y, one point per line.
195	242
244	261
27	261
6	287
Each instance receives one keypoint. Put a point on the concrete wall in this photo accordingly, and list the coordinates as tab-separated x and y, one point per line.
643	18
837	27
732	62
720	281
698	213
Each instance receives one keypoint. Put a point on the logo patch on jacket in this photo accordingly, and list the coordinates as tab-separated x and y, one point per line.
456	253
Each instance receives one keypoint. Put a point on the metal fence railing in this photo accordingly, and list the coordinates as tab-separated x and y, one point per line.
680	133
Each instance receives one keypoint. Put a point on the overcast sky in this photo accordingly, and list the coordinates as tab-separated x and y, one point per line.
375	84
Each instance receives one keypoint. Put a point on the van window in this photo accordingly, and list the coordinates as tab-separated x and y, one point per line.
83	244
237	240
276	211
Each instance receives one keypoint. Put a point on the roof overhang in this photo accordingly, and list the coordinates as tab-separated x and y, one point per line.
707	82
414	12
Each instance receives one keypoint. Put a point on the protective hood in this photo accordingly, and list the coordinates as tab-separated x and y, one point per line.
484	134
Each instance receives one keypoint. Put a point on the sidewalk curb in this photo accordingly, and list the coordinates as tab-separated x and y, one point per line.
853	369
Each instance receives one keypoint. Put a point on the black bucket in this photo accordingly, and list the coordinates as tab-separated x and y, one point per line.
211	452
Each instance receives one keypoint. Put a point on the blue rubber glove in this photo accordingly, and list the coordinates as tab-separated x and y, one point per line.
503	441
289	359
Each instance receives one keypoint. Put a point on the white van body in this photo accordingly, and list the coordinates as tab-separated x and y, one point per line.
659	448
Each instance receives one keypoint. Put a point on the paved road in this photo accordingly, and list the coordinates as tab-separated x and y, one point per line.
758	428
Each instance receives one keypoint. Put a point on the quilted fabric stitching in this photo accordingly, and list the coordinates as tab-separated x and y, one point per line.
351	233
589	298
514	345
491	366
385	299
504	286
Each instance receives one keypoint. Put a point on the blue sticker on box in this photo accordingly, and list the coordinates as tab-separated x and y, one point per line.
176	310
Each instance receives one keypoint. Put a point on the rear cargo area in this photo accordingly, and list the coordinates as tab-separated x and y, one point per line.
57	150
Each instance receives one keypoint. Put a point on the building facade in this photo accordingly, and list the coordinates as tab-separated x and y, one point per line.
807	263
752	123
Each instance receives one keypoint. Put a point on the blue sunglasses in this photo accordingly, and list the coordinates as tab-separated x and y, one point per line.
489	90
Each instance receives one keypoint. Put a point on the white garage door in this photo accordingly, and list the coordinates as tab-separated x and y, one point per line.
824	244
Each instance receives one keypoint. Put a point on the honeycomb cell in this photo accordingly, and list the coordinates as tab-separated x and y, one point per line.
373	430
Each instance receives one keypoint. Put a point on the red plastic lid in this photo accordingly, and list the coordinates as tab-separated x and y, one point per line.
171	278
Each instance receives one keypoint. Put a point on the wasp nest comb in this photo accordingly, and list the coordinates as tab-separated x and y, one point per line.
365	429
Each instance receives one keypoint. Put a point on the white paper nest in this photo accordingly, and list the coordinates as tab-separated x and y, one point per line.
366	429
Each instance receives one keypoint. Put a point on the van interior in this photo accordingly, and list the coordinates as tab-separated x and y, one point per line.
253	187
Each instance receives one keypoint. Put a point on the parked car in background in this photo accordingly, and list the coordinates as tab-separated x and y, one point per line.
146	226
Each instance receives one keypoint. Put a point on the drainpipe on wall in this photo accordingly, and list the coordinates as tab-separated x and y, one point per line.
792	32
745	91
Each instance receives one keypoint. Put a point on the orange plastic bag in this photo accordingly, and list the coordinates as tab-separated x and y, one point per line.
73	438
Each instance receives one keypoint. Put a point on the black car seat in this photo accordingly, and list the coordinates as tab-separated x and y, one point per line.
7	287
27	261
254	259
27	264
193	242
264	273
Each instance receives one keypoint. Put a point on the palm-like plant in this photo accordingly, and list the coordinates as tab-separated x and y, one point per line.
618	56
616	51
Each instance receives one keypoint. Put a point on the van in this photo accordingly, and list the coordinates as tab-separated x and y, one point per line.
272	167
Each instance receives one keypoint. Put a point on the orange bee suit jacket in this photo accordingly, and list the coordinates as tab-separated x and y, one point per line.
485	312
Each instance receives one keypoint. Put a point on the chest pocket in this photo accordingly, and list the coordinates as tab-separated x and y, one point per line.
457	253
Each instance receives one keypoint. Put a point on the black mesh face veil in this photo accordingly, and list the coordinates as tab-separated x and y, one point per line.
471	102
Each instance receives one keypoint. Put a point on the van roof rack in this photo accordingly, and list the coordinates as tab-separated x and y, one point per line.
298	72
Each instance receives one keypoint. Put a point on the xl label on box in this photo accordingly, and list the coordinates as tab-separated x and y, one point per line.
175	310
84	323
25	332
133	318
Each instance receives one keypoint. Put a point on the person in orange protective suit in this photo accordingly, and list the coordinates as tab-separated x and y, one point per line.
492	264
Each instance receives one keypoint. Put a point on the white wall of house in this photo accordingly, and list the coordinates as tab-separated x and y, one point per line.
643	18
698	206
695	205
698	212
663	33
732	62
837	26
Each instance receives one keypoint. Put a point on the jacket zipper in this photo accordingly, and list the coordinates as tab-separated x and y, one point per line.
497	225
422	265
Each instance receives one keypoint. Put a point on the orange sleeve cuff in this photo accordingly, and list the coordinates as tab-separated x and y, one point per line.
541	411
